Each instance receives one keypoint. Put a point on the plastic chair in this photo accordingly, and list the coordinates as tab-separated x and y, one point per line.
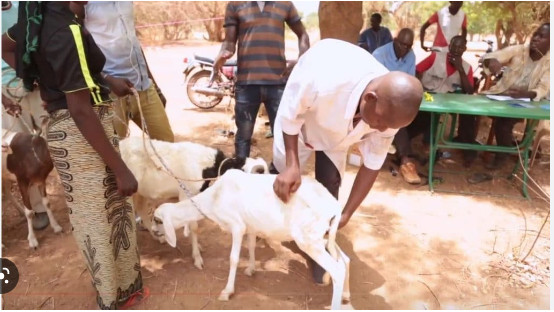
543	130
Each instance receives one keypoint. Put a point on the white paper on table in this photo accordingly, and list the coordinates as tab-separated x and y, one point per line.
506	98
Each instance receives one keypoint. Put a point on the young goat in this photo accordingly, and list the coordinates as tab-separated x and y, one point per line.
246	204
190	162
26	159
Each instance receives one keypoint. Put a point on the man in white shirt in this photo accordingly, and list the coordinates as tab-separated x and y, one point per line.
112	25
320	110
328	106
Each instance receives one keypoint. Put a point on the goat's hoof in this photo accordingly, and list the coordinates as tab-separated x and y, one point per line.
249	271
199	264
33	243
346	299
224	296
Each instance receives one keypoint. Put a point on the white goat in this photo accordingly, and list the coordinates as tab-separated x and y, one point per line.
246	204
189	161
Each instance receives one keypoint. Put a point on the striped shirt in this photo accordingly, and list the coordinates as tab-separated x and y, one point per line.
68	59
261	39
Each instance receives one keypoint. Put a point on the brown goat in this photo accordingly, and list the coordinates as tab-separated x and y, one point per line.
26	159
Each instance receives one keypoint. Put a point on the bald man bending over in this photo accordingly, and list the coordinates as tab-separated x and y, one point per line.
329	105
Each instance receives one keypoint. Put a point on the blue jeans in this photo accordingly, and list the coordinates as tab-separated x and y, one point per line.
248	100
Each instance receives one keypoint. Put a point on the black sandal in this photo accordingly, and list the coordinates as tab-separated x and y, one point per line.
479	177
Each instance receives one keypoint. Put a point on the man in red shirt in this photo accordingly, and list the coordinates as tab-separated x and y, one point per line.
450	21
448	73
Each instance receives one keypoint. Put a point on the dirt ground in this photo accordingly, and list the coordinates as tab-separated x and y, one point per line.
410	249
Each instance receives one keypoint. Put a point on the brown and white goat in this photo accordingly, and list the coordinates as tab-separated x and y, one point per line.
26	159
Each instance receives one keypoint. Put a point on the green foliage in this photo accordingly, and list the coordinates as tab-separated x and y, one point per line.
311	21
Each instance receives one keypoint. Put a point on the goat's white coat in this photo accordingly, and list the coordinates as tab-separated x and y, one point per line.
186	160
246	204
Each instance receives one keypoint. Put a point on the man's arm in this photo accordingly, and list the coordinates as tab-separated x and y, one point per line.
362	41
467	87
303	45
227	47
464	32
303	38
288	181
422	35
361	187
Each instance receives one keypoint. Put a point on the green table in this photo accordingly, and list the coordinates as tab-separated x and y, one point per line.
450	103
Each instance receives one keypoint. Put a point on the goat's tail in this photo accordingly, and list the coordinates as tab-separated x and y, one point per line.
333	228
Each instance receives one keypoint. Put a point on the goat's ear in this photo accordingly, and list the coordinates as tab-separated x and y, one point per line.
169	230
233	163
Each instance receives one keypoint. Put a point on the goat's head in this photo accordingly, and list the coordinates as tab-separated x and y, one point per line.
255	165
169	217
248	165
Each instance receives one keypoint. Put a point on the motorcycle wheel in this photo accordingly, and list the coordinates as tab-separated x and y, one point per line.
202	79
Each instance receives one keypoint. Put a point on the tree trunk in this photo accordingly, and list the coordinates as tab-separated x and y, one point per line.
340	20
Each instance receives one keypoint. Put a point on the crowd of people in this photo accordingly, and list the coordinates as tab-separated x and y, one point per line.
525	74
84	59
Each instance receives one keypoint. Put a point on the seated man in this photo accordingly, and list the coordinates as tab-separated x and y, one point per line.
399	56
527	76
376	35
445	73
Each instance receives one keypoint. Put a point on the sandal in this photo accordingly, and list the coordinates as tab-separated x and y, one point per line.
409	173
135	298
479	177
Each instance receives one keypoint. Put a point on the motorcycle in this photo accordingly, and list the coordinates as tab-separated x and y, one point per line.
198	77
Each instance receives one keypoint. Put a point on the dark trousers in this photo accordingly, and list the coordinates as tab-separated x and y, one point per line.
503	131
402	139
422	124
248	100
467	130
325	173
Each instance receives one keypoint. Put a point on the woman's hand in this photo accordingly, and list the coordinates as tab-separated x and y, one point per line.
127	185
11	106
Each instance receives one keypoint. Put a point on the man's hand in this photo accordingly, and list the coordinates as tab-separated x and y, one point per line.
221	59
287	182
456	61
493	65
288	69
520	93
127	185
426	49
11	106
119	86
345	217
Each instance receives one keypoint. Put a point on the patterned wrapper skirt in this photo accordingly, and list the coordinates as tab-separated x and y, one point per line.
102	221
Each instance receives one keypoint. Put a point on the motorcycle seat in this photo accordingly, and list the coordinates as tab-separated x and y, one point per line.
211	61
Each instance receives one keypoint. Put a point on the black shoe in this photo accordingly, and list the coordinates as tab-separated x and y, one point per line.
469	157
496	163
40	221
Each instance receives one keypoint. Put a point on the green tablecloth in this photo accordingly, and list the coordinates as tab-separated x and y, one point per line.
483	106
